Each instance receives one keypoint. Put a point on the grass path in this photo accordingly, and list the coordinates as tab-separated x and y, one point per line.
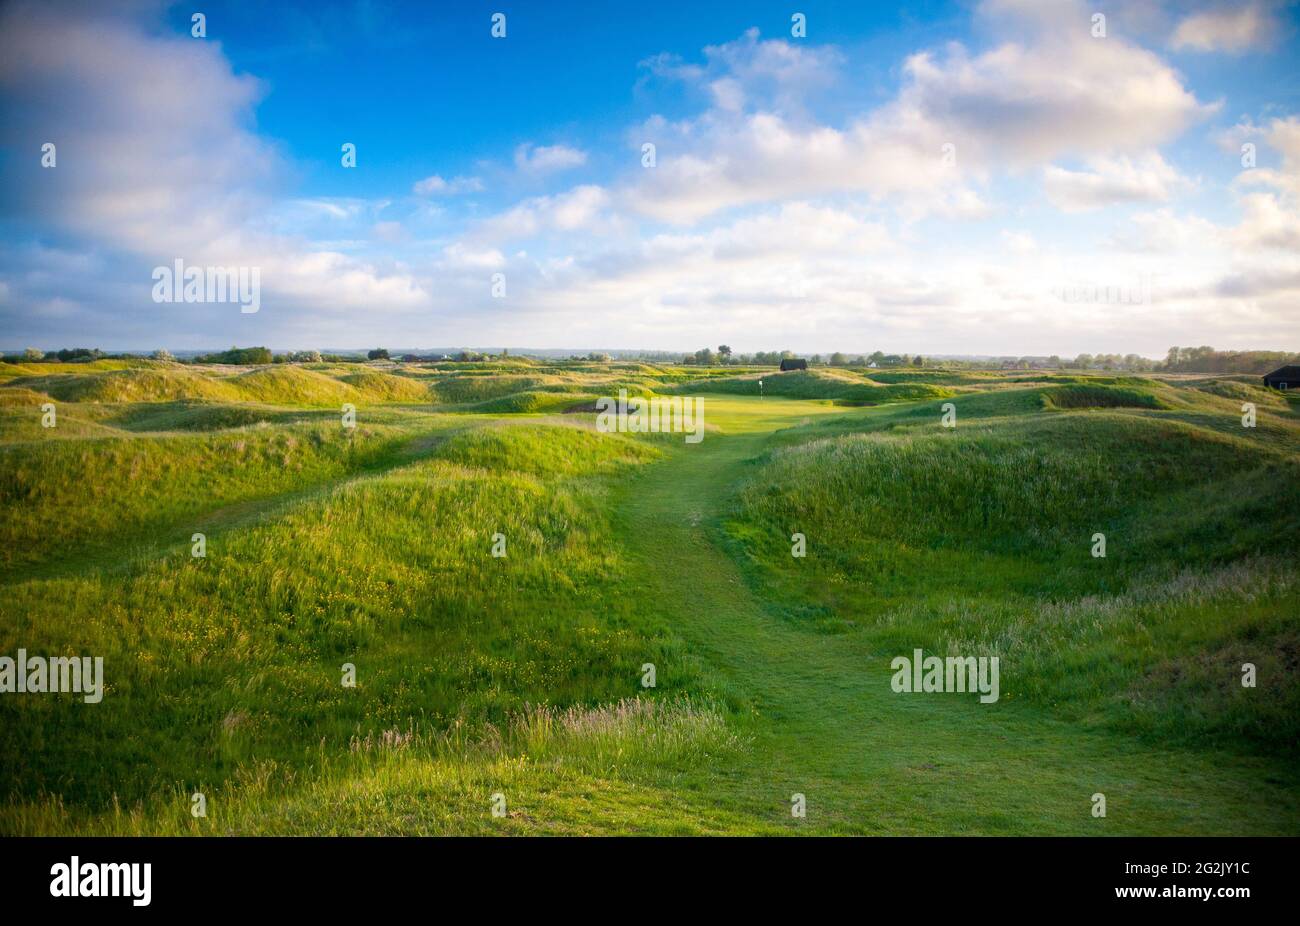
825	723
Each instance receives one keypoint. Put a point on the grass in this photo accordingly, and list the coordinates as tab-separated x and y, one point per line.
391	572
278	385
522	675
979	540
838	385
1100	396
59	497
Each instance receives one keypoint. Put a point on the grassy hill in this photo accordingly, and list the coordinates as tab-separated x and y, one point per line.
841	386
523	674
980	539
276	385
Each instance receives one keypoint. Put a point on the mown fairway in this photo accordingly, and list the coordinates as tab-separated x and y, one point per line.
522	675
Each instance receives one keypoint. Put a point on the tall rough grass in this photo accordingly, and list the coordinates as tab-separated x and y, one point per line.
979	541
390	571
454	772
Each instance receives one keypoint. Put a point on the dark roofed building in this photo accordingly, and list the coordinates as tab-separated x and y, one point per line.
1285	378
793	363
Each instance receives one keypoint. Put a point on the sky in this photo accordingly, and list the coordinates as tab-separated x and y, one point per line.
1006	177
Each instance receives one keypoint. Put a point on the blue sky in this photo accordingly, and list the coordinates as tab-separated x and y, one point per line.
1001	177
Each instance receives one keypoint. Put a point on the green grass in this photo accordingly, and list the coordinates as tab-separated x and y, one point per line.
527	403
839	385
278	385
523	674
392	572
63	497
979	540
1101	396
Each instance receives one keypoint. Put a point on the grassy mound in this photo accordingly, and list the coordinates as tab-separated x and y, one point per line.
522	673
1100	396
994	486
135	385
10	371
391	573
467	387
544	450
385	387
22	397
1241	392
841	386
59	496
956	540
291	385
274	385
935	377
526	403
193	416
897	392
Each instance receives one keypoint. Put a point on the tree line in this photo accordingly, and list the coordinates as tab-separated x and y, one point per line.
1178	359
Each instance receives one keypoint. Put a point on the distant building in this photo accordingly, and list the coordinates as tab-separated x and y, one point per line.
1284	378
793	363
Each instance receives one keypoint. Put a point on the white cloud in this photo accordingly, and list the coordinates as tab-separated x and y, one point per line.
1234	28
1019	242
1112	181
579	208
769	74
542	159
158	160
1268	222
437	186
1046	93
1163	231
1283	136
761	219
460	256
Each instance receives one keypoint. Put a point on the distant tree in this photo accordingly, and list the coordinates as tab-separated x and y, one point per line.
241	356
704	356
162	353
306	356
877	358
32	355
1209	360
724	353
597	357
377	354
918	361
838	359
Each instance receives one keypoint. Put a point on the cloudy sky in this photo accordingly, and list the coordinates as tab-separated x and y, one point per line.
999	177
